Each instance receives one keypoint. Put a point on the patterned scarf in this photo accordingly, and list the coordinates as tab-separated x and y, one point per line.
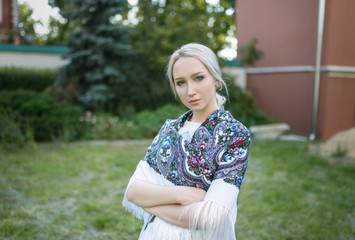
219	149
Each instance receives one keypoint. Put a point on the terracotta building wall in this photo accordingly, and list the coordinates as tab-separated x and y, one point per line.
285	96
287	34
337	89
286	30
9	21
339	33
6	14
337	105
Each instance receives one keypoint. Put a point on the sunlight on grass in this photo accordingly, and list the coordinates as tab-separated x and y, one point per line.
75	192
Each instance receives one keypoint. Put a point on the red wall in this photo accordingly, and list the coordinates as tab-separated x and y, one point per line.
286	30
337	90
285	96
6	15
337	105
339	33
287	34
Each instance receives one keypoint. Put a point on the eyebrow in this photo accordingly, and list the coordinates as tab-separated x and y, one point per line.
181	78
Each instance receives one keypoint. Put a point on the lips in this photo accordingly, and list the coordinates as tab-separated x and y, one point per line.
194	101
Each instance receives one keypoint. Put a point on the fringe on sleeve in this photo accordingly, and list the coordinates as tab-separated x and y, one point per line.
161	230
136	211
212	220
146	173
215	217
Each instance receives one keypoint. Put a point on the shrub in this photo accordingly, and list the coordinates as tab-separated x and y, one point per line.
12	78
12	134
149	122
49	118
145	124
249	54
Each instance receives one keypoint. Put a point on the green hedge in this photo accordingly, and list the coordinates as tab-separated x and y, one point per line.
12	78
12	134
146	124
150	122
143	125
48	118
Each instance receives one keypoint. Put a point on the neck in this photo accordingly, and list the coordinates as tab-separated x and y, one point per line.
200	116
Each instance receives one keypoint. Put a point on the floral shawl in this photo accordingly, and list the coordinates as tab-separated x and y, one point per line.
215	159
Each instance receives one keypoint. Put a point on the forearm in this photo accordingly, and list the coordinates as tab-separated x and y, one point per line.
145	194
175	214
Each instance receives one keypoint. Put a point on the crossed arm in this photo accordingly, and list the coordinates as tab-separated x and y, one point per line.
173	204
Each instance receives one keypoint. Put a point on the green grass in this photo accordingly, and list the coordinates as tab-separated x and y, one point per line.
67	193
289	193
75	192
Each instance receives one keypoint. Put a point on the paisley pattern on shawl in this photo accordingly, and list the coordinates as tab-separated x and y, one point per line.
219	149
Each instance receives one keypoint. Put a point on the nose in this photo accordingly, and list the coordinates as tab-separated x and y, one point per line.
190	89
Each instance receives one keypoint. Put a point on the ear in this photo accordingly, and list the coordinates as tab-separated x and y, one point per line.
218	85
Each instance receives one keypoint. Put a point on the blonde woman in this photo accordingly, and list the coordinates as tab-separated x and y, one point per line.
187	185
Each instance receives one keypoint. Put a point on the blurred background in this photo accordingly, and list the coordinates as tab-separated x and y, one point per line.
107	59
295	61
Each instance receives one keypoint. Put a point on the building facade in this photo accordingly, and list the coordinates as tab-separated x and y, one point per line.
283	81
8	22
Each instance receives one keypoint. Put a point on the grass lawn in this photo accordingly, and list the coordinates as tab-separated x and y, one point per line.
75	192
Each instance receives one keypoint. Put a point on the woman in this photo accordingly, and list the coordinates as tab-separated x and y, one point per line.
187	185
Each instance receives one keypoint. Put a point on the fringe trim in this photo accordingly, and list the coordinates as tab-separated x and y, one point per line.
211	221
160	230
136	211
143	172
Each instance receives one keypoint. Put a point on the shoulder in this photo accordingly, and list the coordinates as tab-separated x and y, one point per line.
167	124
234	132
231	123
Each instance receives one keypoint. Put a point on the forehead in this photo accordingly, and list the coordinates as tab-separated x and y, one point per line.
188	66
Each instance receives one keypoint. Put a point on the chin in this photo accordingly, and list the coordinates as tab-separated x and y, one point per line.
196	108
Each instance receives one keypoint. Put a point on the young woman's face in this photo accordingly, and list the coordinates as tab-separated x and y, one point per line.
195	86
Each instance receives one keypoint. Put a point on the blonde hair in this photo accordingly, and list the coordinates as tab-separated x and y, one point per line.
207	57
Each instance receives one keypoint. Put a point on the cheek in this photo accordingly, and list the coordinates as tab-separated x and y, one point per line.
208	87
180	93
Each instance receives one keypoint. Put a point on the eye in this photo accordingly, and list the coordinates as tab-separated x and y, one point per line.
199	78
179	83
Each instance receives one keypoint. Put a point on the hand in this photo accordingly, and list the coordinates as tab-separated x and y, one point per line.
188	195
